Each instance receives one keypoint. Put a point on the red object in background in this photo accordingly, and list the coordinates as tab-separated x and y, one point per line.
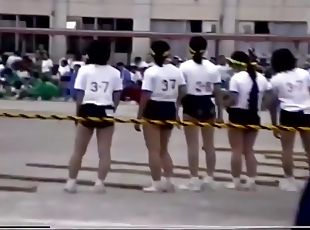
131	94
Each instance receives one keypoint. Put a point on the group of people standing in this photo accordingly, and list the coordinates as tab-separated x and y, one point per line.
192	85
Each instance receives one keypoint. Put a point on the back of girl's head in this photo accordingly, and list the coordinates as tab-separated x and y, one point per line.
160	52
99	52
283	60
198	46
245	62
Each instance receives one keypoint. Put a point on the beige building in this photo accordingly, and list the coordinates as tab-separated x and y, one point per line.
282	17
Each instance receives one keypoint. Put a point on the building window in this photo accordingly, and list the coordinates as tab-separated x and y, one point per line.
73	44
106	24
42	21
88	23
196	26
29	42
124	24
8	17
261	27
7	42
123	45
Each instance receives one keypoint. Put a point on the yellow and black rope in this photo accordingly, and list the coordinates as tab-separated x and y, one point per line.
154	122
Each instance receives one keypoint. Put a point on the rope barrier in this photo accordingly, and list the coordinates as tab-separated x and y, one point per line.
154	122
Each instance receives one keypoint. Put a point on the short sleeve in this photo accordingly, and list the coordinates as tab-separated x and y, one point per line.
183	71
181	78
147	81
274	82
118	83
308	79
233	84
216	76
81	80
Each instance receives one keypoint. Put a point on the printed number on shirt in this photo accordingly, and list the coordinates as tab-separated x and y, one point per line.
95	86
168	84
298	86
201	86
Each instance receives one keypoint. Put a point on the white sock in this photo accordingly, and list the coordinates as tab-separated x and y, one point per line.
236	180
98	182
168	179
156	183
71	181
251	180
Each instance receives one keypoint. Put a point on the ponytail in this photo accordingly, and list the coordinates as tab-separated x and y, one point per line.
160	52
253	97
197	56
251	71
197	47
241	61
160	58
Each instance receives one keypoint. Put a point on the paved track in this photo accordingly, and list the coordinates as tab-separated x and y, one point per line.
50	143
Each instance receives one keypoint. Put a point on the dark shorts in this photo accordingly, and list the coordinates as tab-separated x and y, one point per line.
92	110
161	111
294	119
199	107
243	117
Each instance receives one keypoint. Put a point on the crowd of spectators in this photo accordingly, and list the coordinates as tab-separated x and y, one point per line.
38	78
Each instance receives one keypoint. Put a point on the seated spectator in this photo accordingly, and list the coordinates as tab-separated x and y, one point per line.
47	65
42	89
13	58
72	81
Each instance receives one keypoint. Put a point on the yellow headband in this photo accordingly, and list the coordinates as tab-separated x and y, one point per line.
194	52
238	63
165	54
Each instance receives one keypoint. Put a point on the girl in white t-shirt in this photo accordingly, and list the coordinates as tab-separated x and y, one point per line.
98	87
246	90
291	87
203	81
163	86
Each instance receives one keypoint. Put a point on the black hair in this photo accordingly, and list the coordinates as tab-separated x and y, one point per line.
198	46
283	60
65	62
99	52
160	51
138	59
250	68
78	57
120	64
17	53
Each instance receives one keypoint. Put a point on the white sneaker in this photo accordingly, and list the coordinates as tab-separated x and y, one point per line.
194	184
288	184
155	187
99	187
70	186
236	184
250	184
168	186
210	182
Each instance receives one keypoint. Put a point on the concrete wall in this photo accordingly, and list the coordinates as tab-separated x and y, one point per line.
227	12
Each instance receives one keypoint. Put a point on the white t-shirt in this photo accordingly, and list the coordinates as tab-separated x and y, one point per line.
200	78
292	88
2	67
242	84
11	60
81	63
63	70
98	83
225	72
163	82
47	65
